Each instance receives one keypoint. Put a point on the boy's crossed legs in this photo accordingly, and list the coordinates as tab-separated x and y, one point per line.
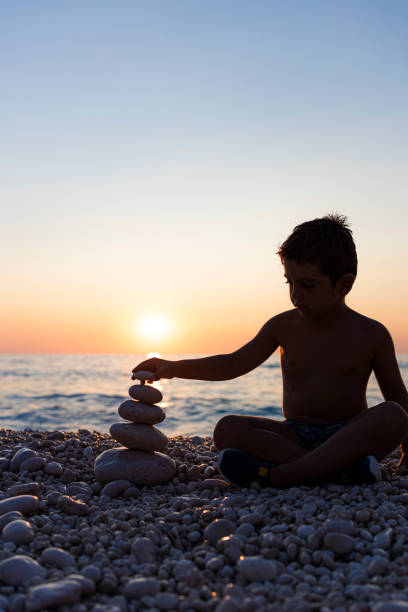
376	431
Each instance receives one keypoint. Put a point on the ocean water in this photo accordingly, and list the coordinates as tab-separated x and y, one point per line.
70	392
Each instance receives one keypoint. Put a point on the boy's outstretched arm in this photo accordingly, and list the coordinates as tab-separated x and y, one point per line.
389	379
218	367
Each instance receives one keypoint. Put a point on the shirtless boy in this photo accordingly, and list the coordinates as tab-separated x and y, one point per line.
328	352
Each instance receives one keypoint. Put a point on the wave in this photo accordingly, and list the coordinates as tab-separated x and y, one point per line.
70	396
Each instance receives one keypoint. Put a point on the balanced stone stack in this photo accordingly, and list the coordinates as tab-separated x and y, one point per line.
140	460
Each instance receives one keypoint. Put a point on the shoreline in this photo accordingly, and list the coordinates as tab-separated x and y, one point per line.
325	547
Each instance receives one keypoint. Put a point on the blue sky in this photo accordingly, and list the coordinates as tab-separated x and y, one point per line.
191	136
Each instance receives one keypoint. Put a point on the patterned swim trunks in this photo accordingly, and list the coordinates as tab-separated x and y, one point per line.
312	434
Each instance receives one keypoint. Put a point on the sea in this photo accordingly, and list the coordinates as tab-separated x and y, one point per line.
71	392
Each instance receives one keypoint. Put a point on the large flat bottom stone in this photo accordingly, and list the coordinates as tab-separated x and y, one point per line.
140	467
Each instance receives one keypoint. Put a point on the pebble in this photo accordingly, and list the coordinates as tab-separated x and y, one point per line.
339	543
137	466
140	412
53	594
20	568
145	393
8	517
143	375
115	488
69	505
138	587
21	455
257	568
80	490
29	488
218	529
139	436
32	464
18	531
166	601
155	541
58	557
53	468
391	606
144	550
26	504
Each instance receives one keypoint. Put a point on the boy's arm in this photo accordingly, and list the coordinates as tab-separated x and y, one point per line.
218	367
389	378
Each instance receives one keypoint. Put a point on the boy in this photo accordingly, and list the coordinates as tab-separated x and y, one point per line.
328	352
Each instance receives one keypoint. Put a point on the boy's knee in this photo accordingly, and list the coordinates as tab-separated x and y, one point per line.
223	430
398	417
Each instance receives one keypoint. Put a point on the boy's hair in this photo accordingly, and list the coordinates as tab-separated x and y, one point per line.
326	242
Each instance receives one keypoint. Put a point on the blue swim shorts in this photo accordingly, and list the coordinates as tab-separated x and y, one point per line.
312	434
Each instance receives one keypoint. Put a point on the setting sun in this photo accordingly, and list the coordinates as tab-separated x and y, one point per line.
154	327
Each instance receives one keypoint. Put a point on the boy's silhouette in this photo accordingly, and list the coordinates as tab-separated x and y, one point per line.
328	352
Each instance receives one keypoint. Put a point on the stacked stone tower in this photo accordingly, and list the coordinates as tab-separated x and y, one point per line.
140	460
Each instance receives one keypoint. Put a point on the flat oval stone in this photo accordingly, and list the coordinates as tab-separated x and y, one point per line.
257	568
21	455
145	393
58	557
53	594
139	436
139	467
54	468
25	504
138	412
18	531
32	464
16	570
143	375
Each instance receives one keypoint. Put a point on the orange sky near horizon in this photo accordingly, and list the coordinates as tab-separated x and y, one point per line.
155	155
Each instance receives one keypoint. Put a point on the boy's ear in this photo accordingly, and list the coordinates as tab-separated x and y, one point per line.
345	283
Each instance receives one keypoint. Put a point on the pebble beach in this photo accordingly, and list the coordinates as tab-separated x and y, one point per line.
70	543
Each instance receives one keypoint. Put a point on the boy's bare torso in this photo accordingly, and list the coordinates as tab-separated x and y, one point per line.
325	365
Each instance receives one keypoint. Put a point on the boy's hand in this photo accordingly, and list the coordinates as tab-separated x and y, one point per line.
160	367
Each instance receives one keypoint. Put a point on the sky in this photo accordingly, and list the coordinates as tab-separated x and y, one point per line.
155	153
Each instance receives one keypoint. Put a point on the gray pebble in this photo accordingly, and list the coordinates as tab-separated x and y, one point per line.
16	570
20	456
138	587
80	490
72	506
32	464
115	488
166	601
26	504
396	605
29	488
53	468
93	572
218	529
257	568
339	543
8	517
53	594
18	531
58	557
144	550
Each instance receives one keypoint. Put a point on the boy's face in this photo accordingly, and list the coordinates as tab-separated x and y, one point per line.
311	292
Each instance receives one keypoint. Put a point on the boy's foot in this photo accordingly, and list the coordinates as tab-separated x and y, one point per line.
241	469
365	471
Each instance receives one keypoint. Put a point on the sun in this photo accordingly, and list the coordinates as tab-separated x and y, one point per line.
154	327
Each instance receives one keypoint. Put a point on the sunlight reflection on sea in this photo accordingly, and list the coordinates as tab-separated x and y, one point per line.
70	392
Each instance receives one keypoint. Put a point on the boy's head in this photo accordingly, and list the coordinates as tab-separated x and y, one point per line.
327	243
